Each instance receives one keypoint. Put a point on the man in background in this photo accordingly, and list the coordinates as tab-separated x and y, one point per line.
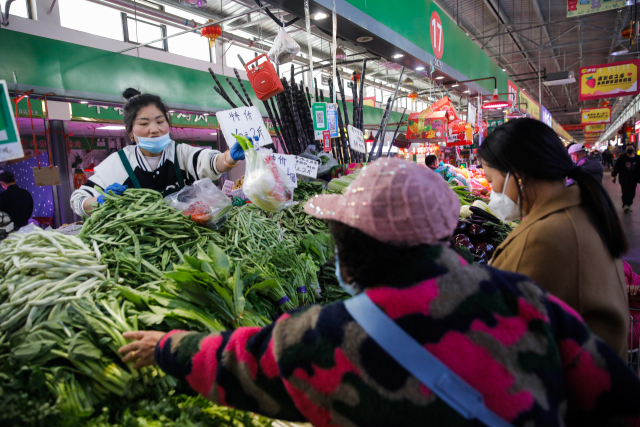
627	167
15	201
607	158
588	163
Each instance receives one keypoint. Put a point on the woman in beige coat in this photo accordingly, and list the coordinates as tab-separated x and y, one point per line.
571	240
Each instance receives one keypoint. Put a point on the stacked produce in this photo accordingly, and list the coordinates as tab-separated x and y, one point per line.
42	271
479	232
138	235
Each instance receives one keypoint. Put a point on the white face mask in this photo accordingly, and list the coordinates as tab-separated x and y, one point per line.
502	205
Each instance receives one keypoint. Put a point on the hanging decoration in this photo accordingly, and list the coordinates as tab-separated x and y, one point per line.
413	95
358	77
212	32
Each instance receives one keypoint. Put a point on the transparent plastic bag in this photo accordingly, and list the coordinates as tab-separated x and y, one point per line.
284	49
326	160
264	185
203	202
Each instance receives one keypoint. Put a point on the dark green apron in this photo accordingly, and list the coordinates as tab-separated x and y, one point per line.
134	178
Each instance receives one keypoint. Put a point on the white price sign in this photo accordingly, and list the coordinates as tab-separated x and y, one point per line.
356	139
245	121
227	187
307	167
286	164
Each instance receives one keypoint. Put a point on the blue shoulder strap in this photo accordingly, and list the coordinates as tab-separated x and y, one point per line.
431	372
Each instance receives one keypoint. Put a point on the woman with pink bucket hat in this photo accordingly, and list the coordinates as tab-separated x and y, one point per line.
426	340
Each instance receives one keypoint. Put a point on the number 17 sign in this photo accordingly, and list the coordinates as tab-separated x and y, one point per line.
437	37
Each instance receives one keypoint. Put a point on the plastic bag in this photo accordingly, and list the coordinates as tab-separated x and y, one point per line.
264	185
284	48
203	202
326	160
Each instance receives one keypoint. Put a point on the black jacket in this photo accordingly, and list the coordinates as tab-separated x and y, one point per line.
18	203
628	168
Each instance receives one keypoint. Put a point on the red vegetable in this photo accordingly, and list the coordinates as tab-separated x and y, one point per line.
487	247
461	228
476	233
461	239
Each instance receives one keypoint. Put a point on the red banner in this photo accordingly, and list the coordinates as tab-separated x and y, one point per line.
512	88
573	127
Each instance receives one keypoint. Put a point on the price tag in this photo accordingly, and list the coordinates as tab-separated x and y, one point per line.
307	167
10	145
473	167
356	139
286	164
326	138
245	121
332	119
46	176
227	187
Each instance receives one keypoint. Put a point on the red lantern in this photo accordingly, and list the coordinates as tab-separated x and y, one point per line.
413	96
212	32
358	76
604	103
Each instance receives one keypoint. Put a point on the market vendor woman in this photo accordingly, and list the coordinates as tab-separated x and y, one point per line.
156	161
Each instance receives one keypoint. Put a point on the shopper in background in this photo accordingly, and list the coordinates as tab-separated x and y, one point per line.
15	201
431	162
588	163
627	167
571	240
527	354
156	161
597	155
607	158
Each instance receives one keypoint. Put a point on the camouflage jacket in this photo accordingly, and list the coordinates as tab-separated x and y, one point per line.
528	353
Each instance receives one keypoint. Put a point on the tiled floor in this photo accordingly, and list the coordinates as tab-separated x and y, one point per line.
630	221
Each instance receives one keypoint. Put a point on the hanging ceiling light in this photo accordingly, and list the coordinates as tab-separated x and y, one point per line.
495	102
407	81
619	50
340	53
629	2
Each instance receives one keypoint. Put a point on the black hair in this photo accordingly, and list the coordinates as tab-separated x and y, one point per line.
430	159
529	149
137	101
7	177
371	262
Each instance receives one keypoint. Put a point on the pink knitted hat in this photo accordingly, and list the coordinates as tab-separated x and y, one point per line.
393	201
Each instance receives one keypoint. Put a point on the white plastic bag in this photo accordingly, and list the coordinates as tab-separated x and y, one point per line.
284	49
203	202
264	185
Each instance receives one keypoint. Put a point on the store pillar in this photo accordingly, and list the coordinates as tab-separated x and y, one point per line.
63	214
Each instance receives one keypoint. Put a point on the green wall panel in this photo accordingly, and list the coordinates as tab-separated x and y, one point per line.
412	22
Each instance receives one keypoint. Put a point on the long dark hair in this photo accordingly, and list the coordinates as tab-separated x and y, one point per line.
137	101
529	149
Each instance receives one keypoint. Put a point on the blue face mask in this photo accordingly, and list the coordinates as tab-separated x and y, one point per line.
351	289
154	145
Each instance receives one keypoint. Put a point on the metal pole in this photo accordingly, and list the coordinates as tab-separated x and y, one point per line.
307	19
62	193
334	95
208	24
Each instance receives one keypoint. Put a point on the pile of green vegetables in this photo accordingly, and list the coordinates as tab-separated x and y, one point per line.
138	264
138	234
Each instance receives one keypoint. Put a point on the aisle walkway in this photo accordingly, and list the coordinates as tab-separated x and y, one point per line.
630	221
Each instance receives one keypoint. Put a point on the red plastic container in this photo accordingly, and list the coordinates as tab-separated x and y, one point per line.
264	78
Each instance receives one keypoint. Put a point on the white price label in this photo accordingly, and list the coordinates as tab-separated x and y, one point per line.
306	167
356	139
245	121
227	187
286	164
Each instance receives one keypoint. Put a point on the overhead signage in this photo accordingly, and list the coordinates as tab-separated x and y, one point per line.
10	145
594	116
437	35
531	106
569	128
609	80
245	121
595	135
512	89
595	128
586	7
356	139
493	124
546	117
